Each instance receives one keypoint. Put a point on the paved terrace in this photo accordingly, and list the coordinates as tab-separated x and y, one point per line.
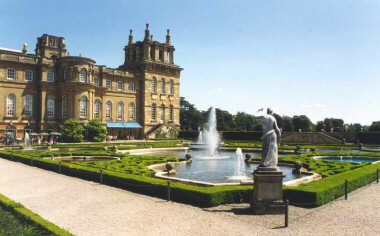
88	208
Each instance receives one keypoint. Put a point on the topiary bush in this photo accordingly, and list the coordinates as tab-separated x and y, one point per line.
95	131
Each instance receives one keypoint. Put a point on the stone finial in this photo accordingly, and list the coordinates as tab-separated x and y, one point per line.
68	53
130	41
151	37
24	49
168	36
147	33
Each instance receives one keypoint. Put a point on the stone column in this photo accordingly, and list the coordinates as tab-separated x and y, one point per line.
165	51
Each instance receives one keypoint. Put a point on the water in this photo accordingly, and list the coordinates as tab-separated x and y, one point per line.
210	136
221	169
347	159
27	142
240	166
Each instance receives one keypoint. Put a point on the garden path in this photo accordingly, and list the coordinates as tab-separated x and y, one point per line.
88	208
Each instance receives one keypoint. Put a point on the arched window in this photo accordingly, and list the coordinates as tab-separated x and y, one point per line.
171	113
64	107
163	85
171	87
154	85
83	75
83	107
162	112
120	111
11	105
97	109
28	106
51	107
154	112
109	110
131	111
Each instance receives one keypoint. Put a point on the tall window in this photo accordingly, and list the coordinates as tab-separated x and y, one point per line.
28	106
154	111
64	107
51	107
154	85
83	75
120	85
11	105
108	84
66	75
171	113
162	112
28	76
120	111
50	76
97	109
162	85
131	86
131	111
97	82
171	87
83	107
11	74
109	110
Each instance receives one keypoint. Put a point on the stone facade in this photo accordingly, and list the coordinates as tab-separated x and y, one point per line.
40	91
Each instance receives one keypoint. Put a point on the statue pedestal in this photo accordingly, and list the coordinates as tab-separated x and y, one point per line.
267	193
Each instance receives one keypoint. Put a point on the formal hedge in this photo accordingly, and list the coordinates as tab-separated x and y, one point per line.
31	218
328	189
195	195
237	135
312	194
188	134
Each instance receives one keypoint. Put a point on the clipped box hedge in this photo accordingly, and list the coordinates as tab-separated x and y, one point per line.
309	195
195	195
322	191
28	216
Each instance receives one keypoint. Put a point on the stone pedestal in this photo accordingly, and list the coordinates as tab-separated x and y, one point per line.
267	193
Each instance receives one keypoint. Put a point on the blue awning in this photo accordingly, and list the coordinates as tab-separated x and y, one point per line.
123	125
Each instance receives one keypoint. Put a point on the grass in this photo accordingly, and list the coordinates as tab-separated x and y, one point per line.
11	225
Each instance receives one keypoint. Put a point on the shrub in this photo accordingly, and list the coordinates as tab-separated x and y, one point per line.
72	131
95	131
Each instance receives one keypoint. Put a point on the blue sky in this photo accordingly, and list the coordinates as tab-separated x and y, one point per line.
317	58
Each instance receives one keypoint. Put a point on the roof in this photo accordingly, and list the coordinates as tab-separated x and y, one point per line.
123	125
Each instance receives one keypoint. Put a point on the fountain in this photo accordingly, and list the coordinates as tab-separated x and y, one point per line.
27	142
239	173
211	135
200	136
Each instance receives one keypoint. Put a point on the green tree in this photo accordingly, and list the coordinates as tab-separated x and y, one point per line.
72	131
190	117
355	128
95	131
375	126
302	122
224	119
287	124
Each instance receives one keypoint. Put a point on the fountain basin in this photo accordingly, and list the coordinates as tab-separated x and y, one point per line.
218	171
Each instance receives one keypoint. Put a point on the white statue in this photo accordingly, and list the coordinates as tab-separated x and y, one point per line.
271	134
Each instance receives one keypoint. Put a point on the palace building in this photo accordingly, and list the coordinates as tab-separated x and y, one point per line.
140	98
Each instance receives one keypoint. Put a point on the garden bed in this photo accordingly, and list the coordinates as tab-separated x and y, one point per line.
131	173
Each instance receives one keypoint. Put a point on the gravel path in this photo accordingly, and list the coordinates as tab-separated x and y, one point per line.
88	208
